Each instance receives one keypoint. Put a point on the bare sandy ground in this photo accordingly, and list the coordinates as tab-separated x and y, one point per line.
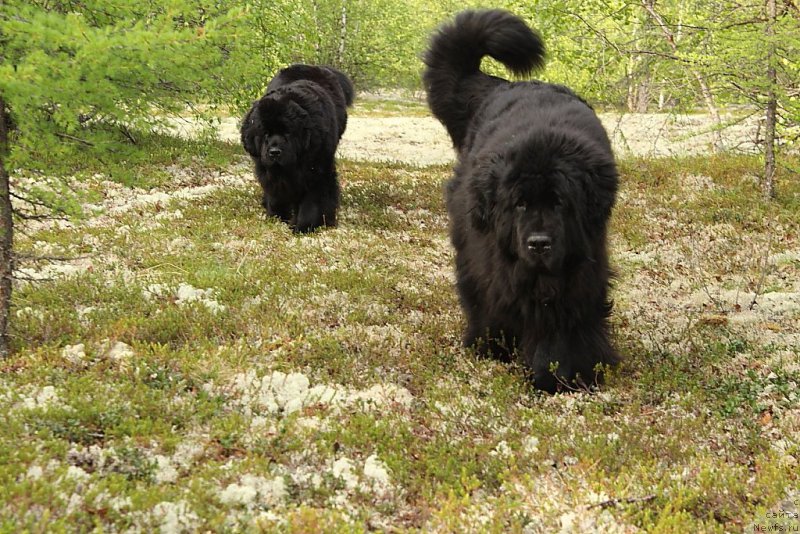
423	141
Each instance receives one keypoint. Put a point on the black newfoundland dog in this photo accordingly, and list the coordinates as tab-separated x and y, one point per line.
529	203
292	133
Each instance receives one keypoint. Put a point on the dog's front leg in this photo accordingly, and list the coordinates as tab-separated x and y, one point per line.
309	215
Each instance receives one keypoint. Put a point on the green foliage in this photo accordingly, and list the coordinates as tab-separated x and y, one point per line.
82	80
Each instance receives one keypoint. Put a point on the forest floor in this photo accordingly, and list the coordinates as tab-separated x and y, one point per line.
198	367
401	130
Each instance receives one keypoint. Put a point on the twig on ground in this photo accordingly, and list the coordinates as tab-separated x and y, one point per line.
761	279
616	502
37	258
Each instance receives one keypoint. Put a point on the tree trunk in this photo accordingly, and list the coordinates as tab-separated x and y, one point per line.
6	234
633	59
342	37
643	95
705	89
772	105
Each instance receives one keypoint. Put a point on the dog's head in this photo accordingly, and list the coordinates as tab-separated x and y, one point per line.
544	201
274	131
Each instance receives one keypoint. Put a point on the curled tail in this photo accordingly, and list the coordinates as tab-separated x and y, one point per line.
452	78
346	84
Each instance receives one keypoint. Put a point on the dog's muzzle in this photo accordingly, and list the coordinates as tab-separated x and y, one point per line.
539	244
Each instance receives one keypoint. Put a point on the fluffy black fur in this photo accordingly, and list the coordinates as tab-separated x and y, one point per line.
529	202
292	133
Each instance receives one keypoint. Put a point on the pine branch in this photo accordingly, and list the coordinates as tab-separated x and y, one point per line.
127	133
37	217
24	278
33	202
76	139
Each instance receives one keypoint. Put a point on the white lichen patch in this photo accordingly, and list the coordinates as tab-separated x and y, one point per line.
380	395
376	473
55	271
35	472
370	477
28	311
591	521
175	517
76	473
286	393
788	257
344	470
85	313
502	450
183	295
165	471
119	353
120	200
74	503
40	398
251	491
188	451
74	354
767	305
530	444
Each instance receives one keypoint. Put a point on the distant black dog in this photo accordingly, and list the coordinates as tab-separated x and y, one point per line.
529	204
292	133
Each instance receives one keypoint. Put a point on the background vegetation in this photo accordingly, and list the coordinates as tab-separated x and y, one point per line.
83	76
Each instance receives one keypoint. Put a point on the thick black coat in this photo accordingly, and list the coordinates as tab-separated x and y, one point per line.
291	133
529	203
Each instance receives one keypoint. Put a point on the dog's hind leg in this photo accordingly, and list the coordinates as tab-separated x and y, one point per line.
329	203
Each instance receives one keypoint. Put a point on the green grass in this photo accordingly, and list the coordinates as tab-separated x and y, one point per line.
696	431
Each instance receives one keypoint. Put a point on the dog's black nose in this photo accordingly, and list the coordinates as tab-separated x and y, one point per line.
539	243
274	153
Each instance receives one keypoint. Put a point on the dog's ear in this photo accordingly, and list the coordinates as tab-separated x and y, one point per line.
606	179
483	190
295	112
601	192
299	118
503	217
480	210
249	132
308	138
